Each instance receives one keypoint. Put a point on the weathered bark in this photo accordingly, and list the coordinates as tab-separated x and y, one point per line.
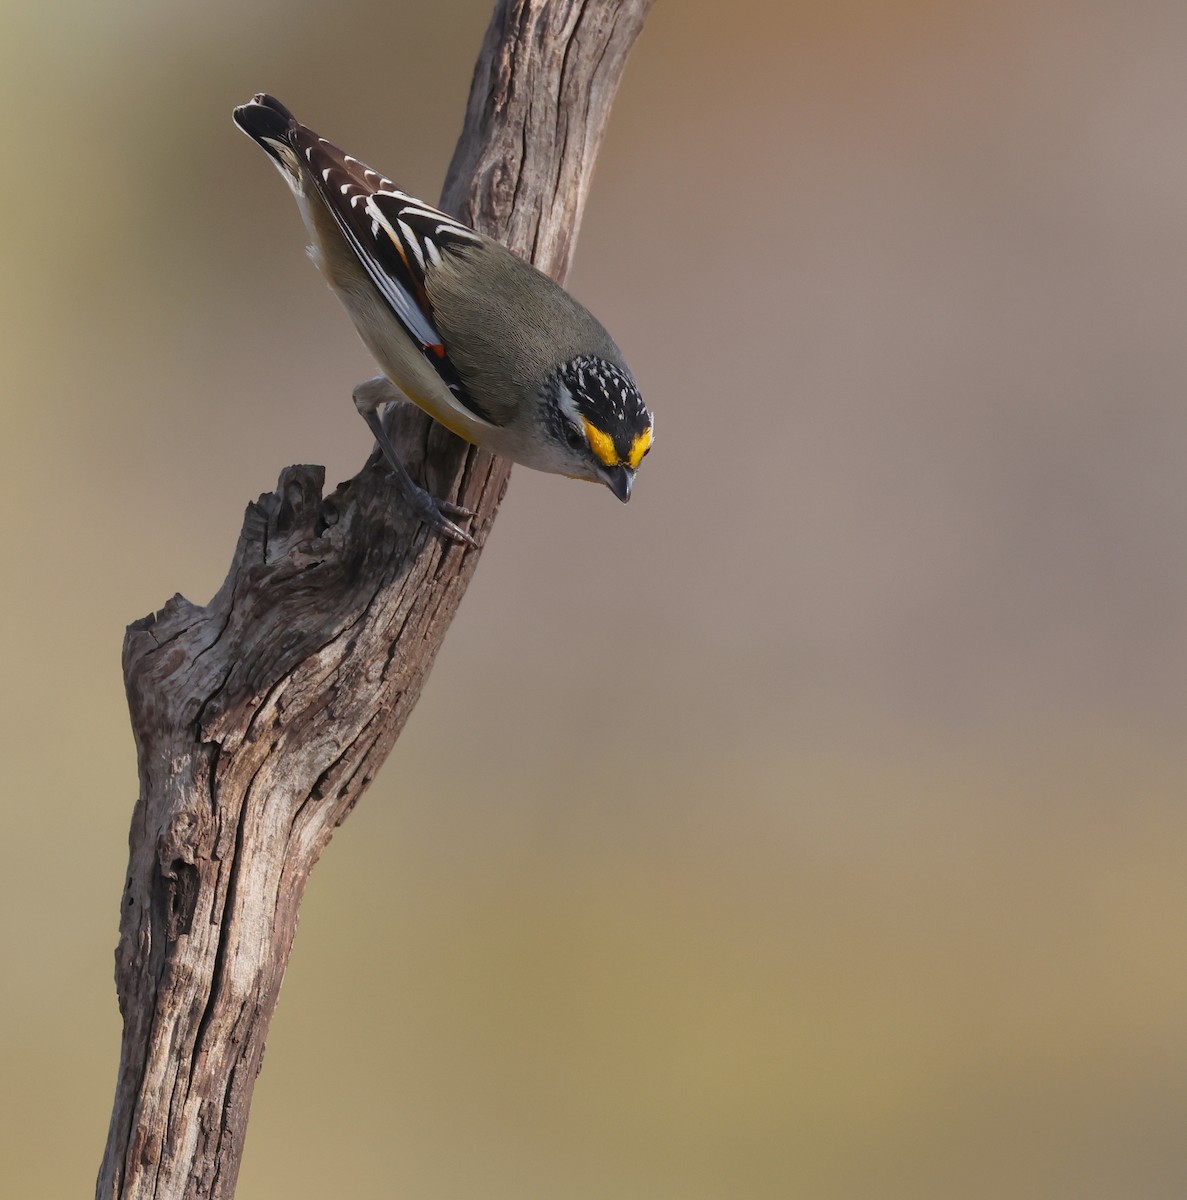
261	718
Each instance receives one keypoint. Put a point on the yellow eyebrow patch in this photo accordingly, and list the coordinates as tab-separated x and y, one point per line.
639	447
602	444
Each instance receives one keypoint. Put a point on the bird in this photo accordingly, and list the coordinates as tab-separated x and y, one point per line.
487	345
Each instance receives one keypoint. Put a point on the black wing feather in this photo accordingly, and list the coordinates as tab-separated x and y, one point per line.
398	240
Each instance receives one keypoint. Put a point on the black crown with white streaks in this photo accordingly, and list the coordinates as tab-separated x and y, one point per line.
606	396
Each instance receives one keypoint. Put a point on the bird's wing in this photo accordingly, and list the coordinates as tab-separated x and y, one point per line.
397	238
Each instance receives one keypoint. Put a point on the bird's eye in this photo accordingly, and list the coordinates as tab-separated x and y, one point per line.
574	437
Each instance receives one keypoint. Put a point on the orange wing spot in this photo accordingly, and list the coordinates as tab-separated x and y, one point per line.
437	349
639	447
395	241
602	444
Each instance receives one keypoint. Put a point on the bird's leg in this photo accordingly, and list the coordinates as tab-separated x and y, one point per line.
369	398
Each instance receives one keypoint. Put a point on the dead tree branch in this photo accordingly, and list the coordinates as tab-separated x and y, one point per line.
261	718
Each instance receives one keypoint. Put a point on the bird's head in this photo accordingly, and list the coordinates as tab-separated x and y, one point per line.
595	412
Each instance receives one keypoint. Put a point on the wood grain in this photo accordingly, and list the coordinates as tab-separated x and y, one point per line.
261	717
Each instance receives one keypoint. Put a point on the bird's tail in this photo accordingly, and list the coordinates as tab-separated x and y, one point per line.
264	119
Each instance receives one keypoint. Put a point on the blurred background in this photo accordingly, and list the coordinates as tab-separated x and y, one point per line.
855	867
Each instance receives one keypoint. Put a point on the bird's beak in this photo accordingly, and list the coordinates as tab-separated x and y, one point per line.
619	480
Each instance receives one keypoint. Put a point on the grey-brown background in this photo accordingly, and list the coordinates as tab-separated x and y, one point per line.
812	827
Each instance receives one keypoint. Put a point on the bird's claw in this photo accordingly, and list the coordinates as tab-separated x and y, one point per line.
435	513
440	523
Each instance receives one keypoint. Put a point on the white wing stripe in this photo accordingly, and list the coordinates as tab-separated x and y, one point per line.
403	304
410	240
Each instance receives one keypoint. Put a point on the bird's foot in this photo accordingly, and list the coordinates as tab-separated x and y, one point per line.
435	513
